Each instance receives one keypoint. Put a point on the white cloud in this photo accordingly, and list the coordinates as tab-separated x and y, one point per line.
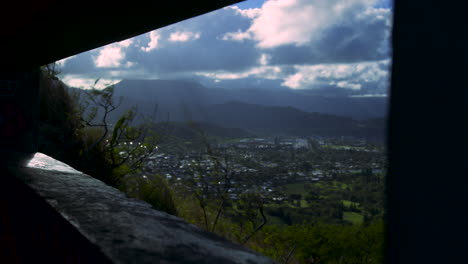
154	38
265	72
109	56
112	54
264	58
285	22
87	83
285	40
183	36
125	43
130	64
298	22
348	76
348	85
296	80
237	36
249	12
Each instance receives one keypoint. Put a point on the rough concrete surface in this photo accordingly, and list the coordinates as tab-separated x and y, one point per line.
125	229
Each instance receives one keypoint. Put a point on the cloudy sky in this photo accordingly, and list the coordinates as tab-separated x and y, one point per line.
327	46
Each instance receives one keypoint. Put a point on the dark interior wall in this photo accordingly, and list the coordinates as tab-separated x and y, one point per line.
19	116
32	231
35	33
427	190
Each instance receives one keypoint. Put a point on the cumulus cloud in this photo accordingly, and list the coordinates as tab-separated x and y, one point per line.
154	38
237	36
112	55
83	82
349	85
207	53
248	12
265	72
183	36
286	22
264	58
298	22
339	45
353	76
125	43
313	32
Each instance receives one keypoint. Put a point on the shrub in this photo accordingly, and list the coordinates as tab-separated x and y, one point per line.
155	191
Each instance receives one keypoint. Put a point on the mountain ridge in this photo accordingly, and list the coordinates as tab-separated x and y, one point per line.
182	101
179	92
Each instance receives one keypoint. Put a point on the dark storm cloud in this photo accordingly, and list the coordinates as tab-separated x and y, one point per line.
204	50
351	43
208	52
196	55
81	63
226	42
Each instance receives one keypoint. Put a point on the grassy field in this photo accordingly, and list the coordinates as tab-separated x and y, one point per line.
274	220
340	185
353	217
332	185
319	185
295	188
348	203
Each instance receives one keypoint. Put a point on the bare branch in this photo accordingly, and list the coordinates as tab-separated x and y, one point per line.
258	227
290	254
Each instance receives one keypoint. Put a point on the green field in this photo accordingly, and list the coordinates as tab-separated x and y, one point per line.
340	185
319	185
348	203
274	220
330	185
295	188
353	217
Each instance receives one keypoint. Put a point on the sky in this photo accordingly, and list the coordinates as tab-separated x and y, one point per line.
338	47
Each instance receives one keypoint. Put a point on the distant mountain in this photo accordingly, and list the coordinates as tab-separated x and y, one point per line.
288	121
192	130
246	112
176	97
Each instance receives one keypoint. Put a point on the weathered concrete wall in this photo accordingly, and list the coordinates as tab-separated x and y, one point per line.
126	230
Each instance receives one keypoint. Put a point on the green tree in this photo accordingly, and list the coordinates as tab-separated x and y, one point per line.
252	204
124	146
156	191
75	129
51	71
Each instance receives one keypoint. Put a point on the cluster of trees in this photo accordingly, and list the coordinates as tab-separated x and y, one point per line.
323	243
75	128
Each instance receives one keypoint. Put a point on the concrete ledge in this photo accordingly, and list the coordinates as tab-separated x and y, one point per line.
126	230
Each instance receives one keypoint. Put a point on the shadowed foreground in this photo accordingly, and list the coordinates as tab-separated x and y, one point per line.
125	230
